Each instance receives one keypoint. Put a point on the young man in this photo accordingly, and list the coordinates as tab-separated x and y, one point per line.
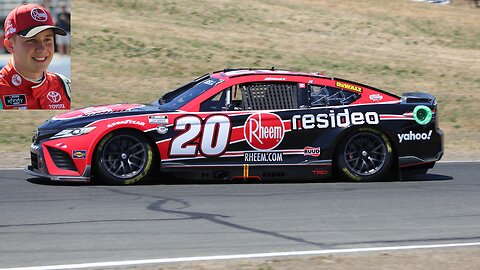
25	82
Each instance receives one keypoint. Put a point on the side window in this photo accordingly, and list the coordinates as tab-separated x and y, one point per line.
229	99
255	96
215	103
269	96
330	96
237	98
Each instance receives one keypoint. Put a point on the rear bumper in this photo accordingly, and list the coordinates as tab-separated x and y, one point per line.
417	152
423	157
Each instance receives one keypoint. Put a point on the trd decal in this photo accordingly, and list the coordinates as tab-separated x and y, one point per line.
213	135
320	172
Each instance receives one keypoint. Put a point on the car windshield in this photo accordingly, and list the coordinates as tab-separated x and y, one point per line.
175	99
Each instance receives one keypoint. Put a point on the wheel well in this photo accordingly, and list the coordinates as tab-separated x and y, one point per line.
156	154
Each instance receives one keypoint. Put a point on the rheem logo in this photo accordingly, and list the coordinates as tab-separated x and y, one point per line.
39	15
264	131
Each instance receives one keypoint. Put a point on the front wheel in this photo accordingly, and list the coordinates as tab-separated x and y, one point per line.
123	158
364	156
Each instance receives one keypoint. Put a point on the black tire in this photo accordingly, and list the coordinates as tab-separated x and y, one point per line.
123	157
364	155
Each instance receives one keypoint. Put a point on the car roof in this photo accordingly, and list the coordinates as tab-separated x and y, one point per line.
237	72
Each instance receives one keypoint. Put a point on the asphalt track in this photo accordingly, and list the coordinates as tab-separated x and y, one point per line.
44	223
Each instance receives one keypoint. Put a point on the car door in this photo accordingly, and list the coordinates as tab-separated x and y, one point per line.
260	114
326	117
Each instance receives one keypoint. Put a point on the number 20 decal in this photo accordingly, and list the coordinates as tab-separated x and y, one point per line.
213	132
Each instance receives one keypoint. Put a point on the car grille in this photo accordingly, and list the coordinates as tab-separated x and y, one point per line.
34	159
61	159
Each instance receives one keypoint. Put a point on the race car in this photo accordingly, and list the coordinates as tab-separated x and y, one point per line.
245	124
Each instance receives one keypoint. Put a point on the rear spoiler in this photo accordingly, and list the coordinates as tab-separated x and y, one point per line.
418	98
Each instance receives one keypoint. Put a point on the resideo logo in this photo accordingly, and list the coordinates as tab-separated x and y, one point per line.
342	119
414	136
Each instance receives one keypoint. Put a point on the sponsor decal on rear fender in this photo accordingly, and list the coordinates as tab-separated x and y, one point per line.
411	136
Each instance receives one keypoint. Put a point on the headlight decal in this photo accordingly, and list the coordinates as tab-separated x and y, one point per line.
73	132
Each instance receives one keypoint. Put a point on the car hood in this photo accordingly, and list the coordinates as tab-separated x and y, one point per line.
85	116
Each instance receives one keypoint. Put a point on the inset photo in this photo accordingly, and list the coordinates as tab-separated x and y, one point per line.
35	55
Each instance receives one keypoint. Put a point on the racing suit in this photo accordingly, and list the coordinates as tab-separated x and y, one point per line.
16	92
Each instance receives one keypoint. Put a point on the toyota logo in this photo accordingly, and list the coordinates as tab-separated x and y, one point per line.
54	97
39	15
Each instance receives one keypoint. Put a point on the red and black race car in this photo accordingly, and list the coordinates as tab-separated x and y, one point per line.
245	124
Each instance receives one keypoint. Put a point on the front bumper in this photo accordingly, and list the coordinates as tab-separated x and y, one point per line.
43	163
31	170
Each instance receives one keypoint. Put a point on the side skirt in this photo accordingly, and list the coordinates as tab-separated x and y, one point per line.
290	172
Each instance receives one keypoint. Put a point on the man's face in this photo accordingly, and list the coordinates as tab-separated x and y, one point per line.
32	55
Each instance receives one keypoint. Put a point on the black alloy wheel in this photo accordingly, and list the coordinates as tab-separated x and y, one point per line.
364	156
123	158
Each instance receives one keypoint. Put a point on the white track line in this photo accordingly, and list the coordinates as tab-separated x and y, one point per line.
239	256
458	161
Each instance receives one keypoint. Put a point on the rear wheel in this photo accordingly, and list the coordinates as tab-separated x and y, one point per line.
364	156
123	158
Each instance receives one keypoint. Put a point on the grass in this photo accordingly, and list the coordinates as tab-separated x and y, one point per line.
135	50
